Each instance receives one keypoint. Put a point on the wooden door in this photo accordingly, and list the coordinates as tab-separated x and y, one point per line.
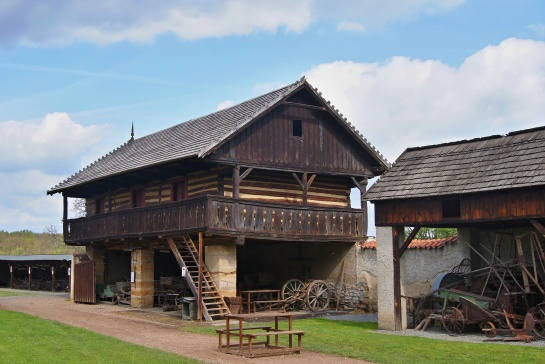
84	282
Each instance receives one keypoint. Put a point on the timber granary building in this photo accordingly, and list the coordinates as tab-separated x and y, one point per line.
246	197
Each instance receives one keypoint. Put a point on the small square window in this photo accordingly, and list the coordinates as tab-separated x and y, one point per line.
297	128
451	208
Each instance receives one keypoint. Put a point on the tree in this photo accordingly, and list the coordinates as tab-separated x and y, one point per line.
78	207
432	233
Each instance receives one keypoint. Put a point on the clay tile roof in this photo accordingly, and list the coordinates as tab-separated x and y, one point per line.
417	244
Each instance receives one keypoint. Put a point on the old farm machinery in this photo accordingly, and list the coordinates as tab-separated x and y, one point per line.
504	296
312	294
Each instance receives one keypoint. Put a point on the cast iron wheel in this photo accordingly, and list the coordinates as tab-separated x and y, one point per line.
488	328
317	298
292	291
539	316
453	320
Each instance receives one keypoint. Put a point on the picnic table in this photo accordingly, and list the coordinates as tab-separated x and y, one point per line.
248	335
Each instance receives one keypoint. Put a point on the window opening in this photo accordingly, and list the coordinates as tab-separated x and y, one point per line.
297	128
451	208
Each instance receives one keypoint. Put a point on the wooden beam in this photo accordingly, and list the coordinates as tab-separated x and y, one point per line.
64	208
298	180
540	228
408	241
236	181
246	173
201	262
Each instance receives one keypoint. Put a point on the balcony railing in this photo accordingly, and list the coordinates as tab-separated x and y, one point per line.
221	216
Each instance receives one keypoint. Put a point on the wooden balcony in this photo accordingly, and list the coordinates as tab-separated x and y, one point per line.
224	217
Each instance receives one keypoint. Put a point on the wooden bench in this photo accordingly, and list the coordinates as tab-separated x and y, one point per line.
235	332
274	349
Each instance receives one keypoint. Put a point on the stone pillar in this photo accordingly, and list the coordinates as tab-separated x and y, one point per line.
142	269
221	261
385	270
97	254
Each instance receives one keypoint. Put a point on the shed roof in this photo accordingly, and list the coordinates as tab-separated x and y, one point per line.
198	138
38	257
514	160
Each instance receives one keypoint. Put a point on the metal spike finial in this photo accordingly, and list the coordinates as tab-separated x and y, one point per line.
132	131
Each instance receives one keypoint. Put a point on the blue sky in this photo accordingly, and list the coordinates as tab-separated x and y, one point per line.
75	75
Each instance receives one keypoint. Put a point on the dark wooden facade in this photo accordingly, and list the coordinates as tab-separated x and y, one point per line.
277	167
511	206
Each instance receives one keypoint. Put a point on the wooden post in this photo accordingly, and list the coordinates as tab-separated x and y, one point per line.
199	305
64	216
53	280
29	277
236	181
397	279
362	187
10	275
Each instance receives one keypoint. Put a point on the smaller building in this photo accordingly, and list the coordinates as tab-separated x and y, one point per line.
44	272
491	189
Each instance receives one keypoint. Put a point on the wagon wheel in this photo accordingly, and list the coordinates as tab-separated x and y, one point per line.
291	292
317	298
539	316
488	328
181	295
453	320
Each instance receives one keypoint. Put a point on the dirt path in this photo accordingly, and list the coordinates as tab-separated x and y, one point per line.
143	327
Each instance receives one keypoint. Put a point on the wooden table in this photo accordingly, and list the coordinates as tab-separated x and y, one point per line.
246	334
249	298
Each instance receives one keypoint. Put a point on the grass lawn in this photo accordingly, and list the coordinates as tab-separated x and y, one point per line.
7	293
29	339
358	340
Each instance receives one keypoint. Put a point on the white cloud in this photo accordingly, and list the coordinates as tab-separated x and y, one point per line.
24	204
56	138
409	102
376	13
69	21
539	29
351	26
225	104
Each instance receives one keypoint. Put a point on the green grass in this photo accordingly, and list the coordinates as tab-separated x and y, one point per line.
8	293
29	339
359	340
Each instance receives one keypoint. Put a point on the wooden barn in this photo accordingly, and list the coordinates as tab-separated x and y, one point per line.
246	197
492	189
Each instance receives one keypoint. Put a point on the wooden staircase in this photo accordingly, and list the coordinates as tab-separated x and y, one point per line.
187	255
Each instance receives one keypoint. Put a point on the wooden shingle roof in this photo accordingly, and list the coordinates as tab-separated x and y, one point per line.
493	163
197	138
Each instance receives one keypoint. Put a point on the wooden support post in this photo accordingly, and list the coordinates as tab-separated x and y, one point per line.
201	262
304	184
64	208
362	187
53	278
10	275
397	279
236	181
29	277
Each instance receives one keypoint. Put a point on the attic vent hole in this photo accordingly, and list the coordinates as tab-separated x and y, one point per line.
451	208
297	128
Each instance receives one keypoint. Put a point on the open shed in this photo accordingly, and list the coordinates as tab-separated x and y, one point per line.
491	189
41	272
